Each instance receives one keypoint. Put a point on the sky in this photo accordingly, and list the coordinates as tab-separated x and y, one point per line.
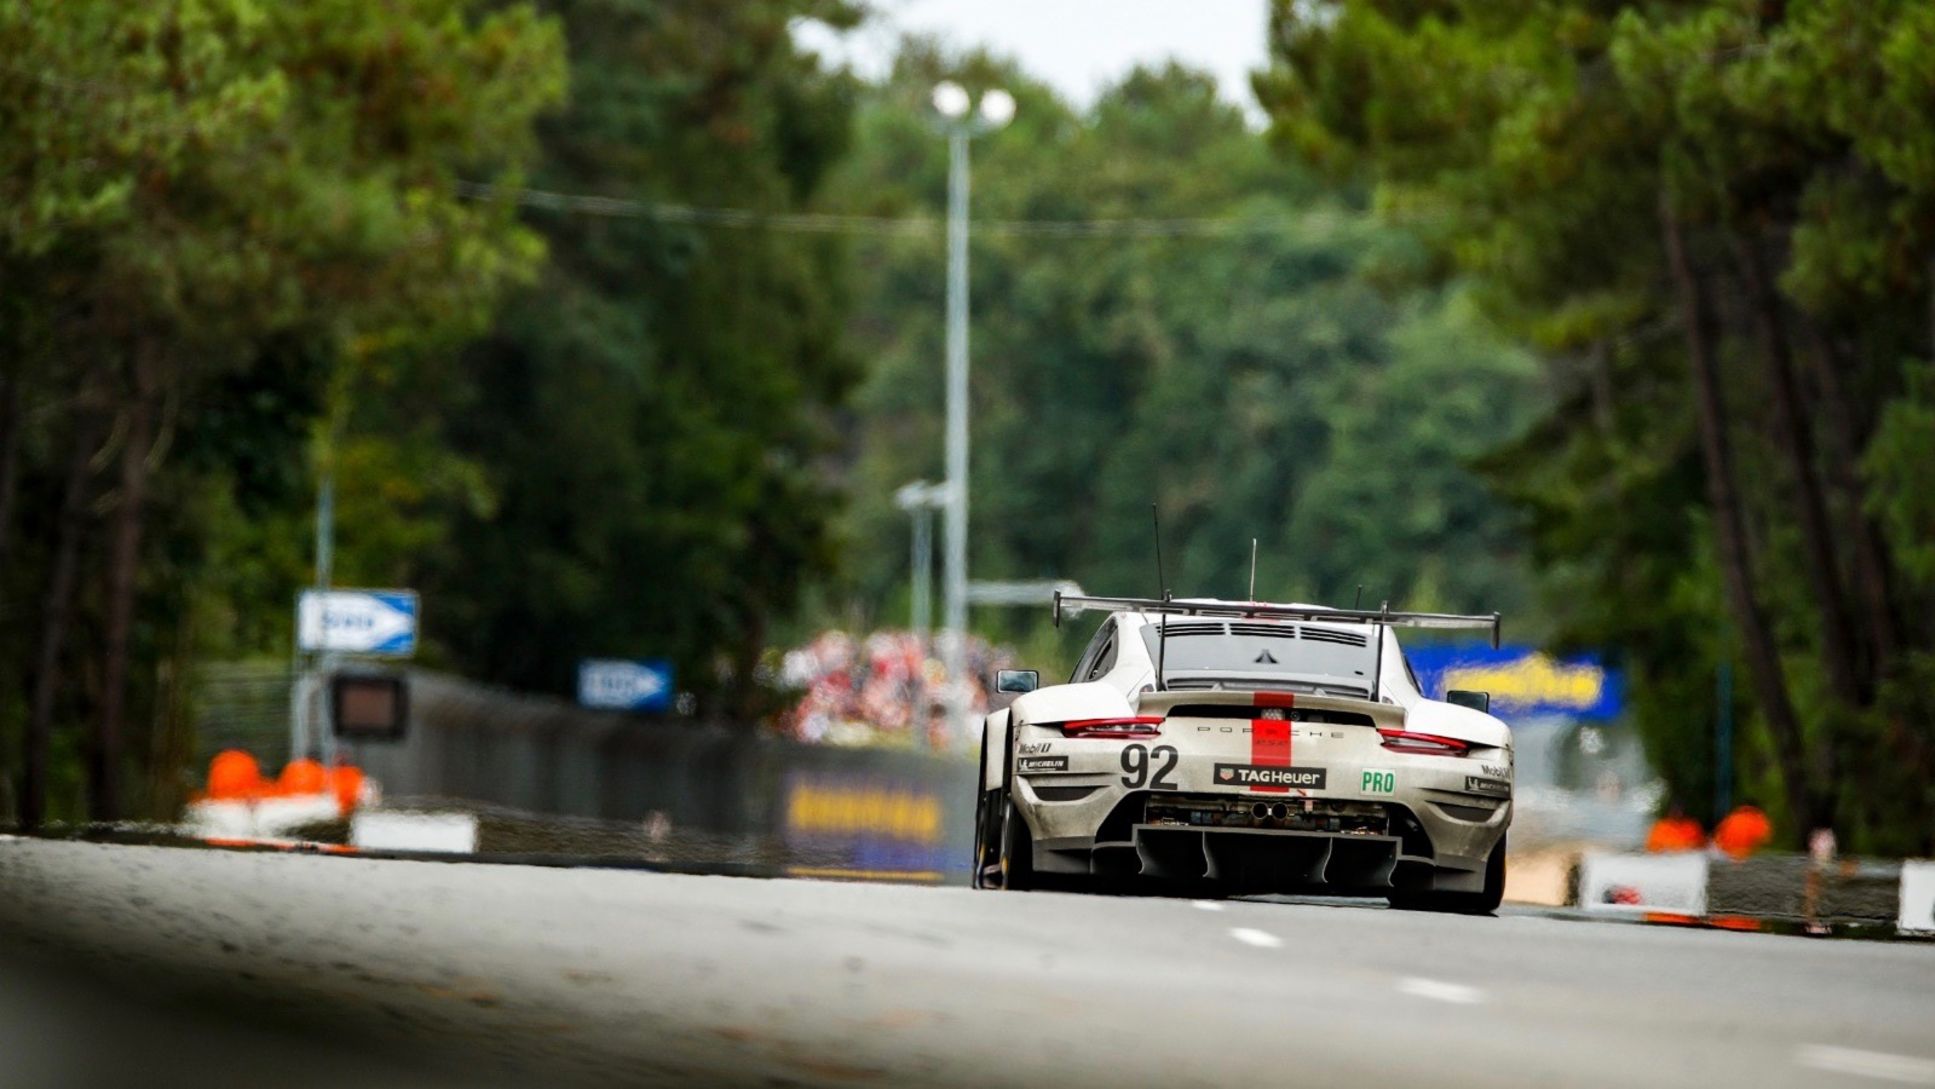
1077	46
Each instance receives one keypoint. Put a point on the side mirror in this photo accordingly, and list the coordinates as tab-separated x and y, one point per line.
1018	681
1477	701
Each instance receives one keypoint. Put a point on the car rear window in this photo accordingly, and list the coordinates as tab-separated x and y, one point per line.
1337	652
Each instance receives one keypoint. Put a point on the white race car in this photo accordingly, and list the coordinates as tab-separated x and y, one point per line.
1231	747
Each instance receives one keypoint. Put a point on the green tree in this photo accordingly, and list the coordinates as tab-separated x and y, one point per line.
1276	376
1706	216
192	188
650	417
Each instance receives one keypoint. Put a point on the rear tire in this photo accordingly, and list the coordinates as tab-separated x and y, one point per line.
1484	902
1017	849
1004	850
986	872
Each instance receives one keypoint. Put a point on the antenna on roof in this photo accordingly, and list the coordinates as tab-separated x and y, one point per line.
1162	622
1253	569
1358	601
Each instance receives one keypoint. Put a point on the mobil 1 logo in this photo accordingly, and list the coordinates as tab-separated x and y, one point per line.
1496	788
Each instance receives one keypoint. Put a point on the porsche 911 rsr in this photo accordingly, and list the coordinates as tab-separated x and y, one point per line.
1241	748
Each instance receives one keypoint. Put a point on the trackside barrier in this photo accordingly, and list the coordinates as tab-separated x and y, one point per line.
438	833
1793	887
684	787
1770	887
1633	884
1917	913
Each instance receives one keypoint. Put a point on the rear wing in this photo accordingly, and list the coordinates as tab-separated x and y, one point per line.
1384	616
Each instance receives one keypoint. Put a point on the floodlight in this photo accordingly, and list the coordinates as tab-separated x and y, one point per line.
997	108
950	100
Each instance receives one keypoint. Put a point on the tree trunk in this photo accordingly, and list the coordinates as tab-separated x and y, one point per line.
124	561
1838	648
1872	565
54	620
1599	369
169	746
10	429
750	703
1730	534
1843	448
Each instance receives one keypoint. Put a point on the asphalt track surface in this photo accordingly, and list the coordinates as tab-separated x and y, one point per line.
360	972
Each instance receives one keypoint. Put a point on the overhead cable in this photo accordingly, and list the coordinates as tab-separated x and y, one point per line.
831	223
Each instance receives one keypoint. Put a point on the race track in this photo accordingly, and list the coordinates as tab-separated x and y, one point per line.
548	977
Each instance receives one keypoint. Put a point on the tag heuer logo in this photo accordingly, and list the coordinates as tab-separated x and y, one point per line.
1253	775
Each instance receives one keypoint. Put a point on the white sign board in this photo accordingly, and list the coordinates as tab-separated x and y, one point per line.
1673	883
358	621
442	833
1917	897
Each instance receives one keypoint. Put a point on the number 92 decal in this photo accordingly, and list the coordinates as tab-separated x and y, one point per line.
1137	762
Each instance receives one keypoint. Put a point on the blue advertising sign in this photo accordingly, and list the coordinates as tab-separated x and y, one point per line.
1523	681
358	621
621	684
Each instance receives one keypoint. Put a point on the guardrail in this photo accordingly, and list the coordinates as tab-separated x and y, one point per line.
1771	888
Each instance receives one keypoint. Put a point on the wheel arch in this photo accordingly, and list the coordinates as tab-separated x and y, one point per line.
997	749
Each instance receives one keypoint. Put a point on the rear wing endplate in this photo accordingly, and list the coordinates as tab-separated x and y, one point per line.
1079	603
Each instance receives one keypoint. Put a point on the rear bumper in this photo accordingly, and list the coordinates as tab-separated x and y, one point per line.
1263	860
1429	844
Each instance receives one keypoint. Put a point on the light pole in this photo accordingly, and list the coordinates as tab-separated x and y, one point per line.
310	687
920	500
961	121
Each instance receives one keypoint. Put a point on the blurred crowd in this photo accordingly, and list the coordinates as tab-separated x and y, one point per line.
886	688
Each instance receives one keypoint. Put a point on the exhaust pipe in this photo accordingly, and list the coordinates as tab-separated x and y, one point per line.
1279	811
1260	810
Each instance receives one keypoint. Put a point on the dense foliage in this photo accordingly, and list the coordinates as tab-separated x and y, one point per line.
247	245
1712	219
648	417
211	209
1637	295
1253	378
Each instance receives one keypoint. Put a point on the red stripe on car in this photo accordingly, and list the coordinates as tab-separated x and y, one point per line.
1270	748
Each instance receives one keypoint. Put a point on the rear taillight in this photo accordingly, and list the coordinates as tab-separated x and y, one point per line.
1138	726
1423	744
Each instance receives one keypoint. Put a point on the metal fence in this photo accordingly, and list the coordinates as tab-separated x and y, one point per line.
242	705
682	783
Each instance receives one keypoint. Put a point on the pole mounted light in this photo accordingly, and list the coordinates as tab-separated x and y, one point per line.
959	120
997	109
951	100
